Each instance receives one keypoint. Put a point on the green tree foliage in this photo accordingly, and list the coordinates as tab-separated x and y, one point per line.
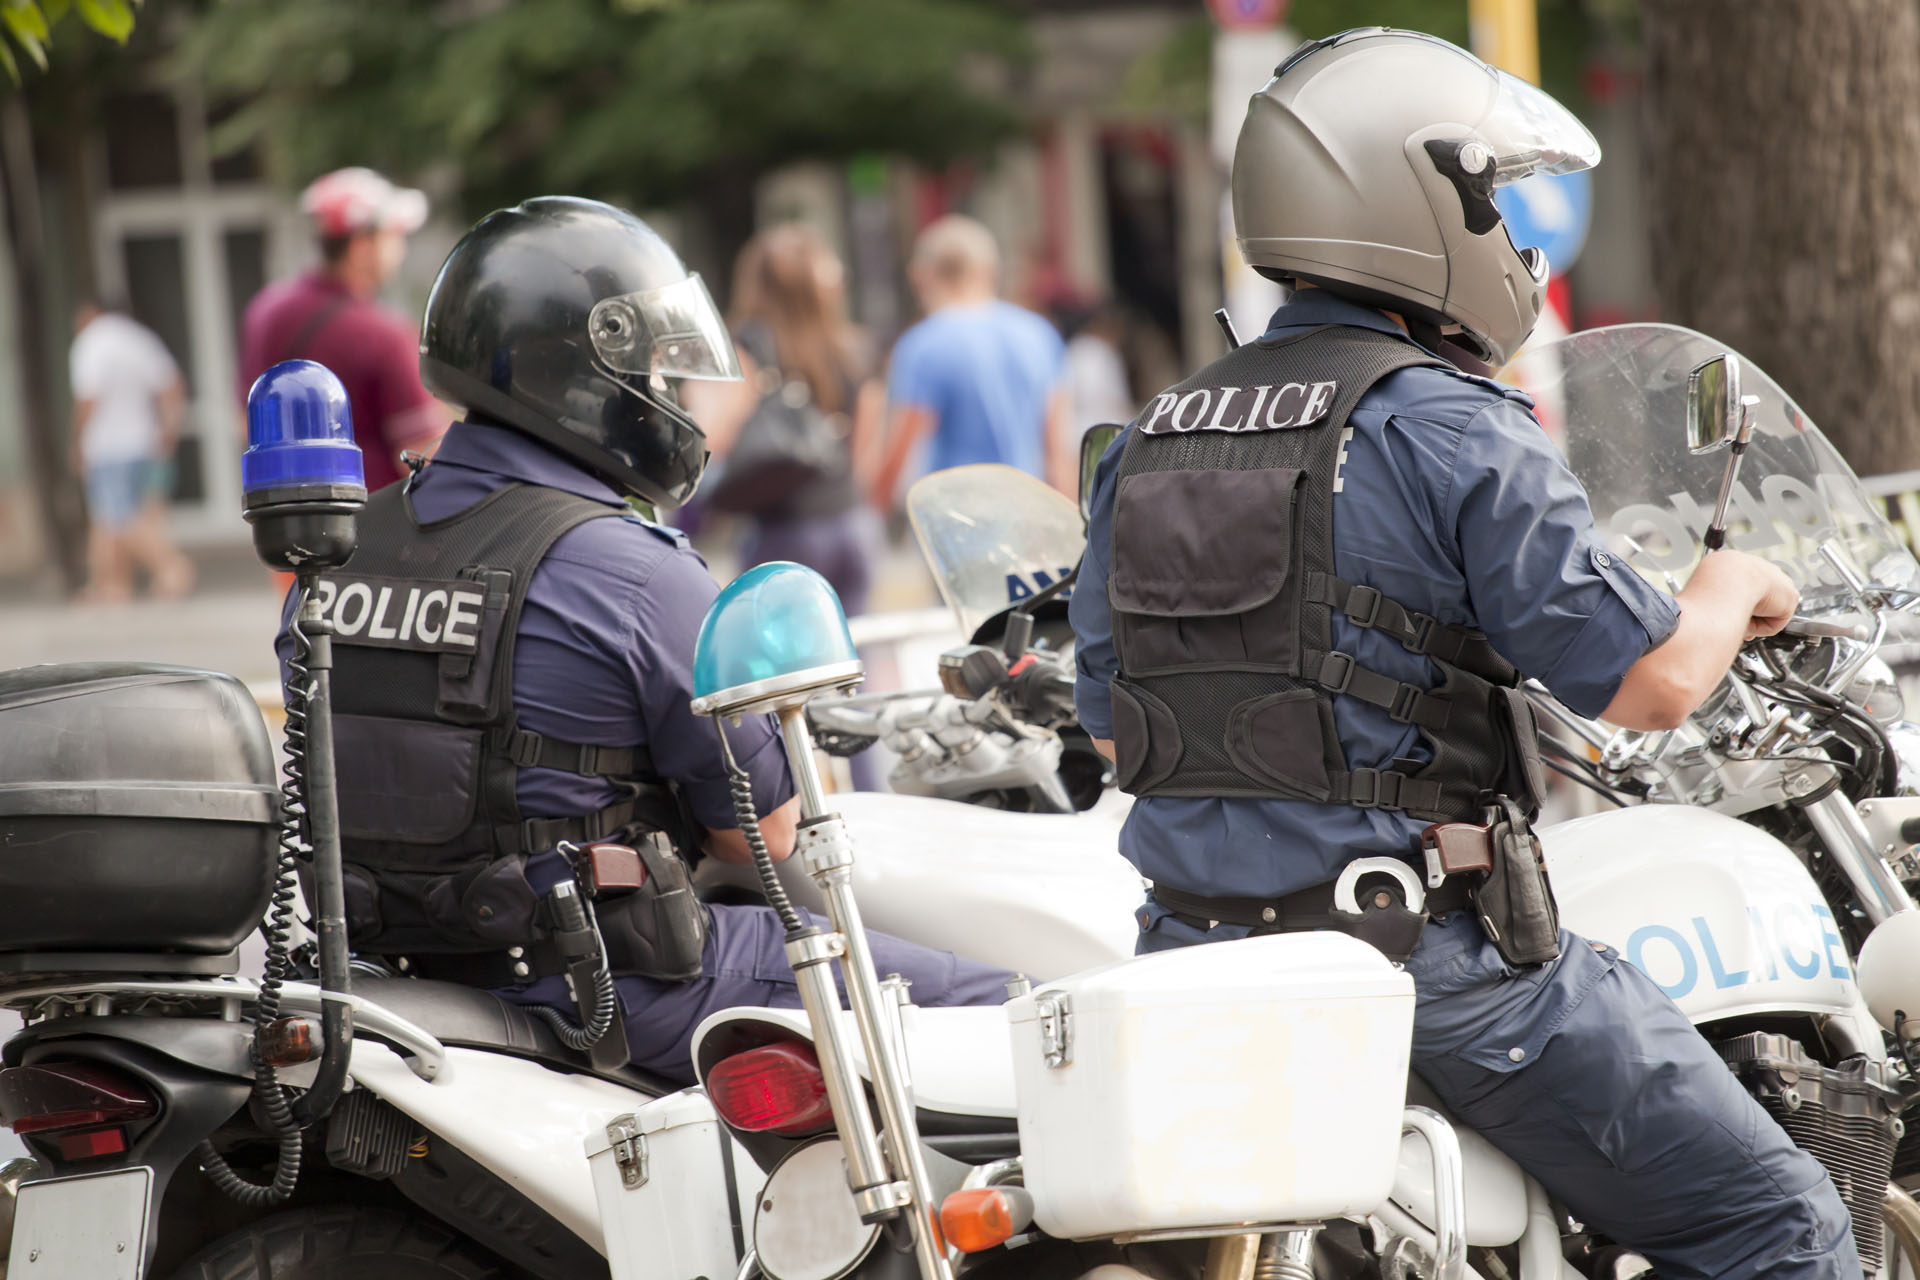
30	25
1175	77
638	101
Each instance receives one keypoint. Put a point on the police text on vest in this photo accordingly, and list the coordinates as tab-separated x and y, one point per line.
1293	404
427	615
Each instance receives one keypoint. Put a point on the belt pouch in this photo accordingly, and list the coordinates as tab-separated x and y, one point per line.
1515	901
660	929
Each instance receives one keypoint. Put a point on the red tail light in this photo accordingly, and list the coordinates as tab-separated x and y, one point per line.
57	1097
776	1088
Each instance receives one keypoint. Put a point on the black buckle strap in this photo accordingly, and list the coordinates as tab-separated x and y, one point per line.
1336	672
1386	789
1417	633
1363	606
530	750
539	834
1405	703
1375	788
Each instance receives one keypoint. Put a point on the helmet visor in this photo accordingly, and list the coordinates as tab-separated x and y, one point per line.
1531	133
674	331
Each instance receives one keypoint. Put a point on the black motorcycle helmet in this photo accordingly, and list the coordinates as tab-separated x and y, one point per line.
564	318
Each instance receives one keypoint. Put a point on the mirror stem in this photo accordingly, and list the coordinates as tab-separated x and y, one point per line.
1716	536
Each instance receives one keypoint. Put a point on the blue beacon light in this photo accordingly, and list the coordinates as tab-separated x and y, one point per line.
775	637
301	477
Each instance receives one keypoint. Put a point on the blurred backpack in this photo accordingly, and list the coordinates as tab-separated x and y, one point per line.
787	444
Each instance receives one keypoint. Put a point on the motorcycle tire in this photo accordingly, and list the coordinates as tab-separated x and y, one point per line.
340	1244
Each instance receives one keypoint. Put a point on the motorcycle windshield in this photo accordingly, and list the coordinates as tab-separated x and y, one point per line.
1619	398
993	537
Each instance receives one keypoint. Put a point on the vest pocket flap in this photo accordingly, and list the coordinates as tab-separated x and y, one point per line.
1283	739
1202	543
1146	737
406	780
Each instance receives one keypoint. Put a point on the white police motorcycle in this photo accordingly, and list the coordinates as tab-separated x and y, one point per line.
1074	1130
1756	863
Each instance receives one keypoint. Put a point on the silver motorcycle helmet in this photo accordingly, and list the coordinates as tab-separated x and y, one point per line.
1368	164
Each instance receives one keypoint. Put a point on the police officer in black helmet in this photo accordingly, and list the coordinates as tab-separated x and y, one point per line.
513	652
1315	573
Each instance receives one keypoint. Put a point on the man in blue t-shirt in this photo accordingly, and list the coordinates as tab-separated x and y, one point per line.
978	378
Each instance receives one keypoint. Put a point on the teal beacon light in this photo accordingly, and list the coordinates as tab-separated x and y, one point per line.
773	639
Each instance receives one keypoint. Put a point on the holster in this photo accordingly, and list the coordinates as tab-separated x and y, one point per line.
658	929
1515	900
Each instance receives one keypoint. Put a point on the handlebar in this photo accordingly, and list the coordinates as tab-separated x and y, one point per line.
1806	628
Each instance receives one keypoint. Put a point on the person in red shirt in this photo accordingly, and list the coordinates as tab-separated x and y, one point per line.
330	314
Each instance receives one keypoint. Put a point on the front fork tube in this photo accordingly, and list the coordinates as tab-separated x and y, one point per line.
811	955
827	854
1851	847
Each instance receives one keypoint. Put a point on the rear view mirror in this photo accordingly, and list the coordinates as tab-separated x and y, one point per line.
1093	447
1715	413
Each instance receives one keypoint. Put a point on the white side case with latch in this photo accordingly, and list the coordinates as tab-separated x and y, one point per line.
675	1191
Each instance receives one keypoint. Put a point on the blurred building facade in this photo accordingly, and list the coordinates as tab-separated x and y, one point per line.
1100	200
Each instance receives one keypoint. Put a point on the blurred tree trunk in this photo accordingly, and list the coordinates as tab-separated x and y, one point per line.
1783	146
58	494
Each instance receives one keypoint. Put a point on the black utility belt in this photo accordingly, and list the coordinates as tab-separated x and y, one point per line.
512	967
1495	869
1299	912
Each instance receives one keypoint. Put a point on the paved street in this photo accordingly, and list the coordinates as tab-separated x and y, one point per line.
229	630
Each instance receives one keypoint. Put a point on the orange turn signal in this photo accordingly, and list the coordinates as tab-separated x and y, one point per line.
983	1217
288	1042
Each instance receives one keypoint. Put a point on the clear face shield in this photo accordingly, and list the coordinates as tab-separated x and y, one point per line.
671	332
1529	133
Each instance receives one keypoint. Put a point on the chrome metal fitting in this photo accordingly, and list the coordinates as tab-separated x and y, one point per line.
883	1201
824	846
814	948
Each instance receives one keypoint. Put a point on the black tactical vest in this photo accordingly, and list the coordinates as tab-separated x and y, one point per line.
426	743
1222	594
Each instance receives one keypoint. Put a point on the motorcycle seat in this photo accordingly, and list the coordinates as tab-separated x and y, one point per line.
470	1018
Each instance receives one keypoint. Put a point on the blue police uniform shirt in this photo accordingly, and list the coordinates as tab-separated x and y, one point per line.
605	649
986	371
1451	500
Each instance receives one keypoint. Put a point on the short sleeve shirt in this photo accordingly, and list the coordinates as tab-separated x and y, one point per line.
373	350
120	366
986	372
1452	501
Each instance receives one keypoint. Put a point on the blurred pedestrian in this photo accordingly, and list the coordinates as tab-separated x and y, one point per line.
787	437
128	399
1096	373
331	314
979	378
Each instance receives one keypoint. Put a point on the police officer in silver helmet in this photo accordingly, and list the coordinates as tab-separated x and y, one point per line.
1317	572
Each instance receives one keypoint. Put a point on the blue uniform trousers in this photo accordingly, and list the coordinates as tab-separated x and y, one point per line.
745	964
1595	1083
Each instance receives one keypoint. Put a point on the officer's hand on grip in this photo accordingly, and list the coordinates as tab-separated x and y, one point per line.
1731	597
1779	600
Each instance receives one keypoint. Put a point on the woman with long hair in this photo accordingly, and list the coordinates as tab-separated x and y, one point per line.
789	321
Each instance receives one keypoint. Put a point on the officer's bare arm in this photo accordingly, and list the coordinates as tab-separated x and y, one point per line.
729	844
1731	597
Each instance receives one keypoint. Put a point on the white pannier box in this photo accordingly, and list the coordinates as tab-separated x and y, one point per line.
660	1176
1236	1082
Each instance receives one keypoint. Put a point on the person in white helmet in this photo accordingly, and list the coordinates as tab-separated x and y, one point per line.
1316	573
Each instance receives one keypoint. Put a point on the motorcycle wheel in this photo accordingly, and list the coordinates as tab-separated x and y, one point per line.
339	1244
